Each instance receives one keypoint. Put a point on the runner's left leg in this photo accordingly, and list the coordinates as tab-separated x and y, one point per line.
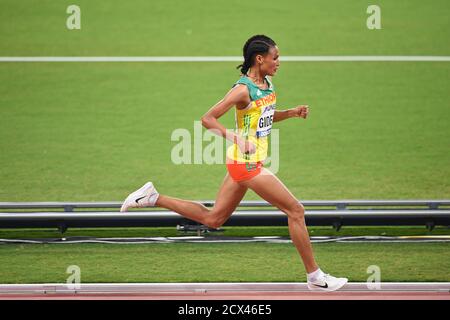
228	198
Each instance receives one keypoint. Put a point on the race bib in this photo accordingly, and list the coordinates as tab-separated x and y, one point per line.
265	121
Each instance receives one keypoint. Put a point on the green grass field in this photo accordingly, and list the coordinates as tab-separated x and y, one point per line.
96	131
197	28
91	132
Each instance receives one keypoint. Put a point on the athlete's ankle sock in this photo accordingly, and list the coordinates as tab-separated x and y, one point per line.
313	276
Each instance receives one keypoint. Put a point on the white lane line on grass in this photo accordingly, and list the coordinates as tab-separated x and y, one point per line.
229	58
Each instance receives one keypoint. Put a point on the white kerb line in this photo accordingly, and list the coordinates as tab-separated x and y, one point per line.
230	58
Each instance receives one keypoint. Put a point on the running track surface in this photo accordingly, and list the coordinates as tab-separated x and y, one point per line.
224	291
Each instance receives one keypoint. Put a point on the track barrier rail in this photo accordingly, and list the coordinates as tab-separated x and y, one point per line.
63	215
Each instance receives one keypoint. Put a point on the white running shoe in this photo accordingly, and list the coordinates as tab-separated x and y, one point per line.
146	196
327	283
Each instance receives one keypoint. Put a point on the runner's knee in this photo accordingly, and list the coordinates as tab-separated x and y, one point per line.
296	212
215	219
214	222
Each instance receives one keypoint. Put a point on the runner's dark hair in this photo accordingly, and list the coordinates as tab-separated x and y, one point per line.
258	44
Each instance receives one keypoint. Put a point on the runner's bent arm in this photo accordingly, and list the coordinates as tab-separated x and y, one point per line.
281	115
236	96
299	111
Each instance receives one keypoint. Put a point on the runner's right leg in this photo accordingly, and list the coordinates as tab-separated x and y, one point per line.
228	198
271	189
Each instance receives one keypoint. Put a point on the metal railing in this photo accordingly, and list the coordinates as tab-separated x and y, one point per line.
338	204
336	213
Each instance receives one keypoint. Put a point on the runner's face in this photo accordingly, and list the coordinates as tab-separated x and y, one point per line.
271	61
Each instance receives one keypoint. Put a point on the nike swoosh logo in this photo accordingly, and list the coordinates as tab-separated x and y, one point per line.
139	199
325	286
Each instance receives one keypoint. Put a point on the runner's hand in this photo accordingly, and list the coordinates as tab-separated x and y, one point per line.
302	111
246	146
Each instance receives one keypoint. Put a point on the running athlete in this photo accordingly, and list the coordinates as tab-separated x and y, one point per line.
254	98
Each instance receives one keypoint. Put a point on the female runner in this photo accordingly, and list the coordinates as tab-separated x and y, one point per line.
254	98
